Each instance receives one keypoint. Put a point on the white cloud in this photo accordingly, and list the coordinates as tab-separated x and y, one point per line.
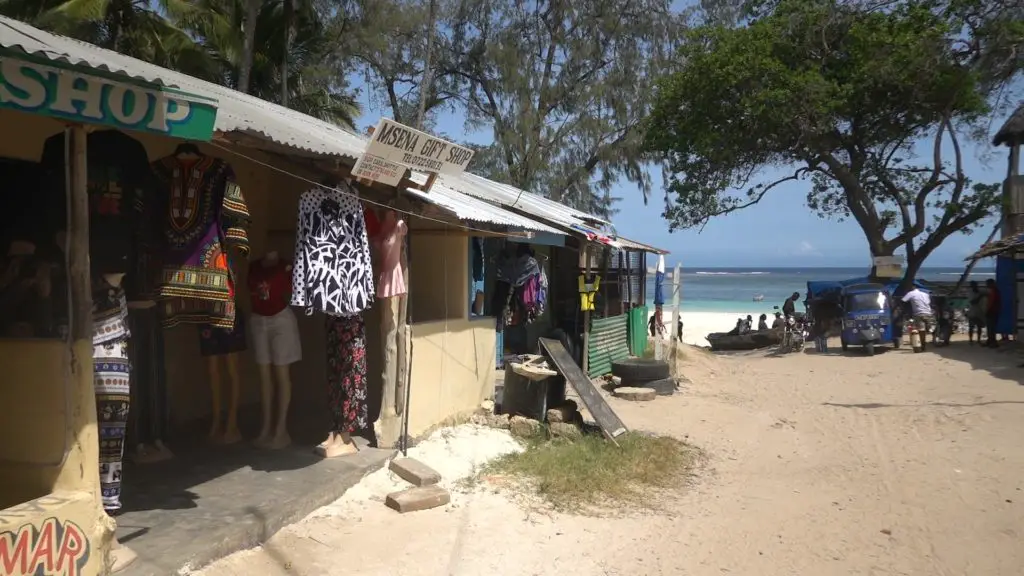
805	248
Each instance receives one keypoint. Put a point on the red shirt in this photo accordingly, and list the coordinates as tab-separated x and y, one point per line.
994	303
270	287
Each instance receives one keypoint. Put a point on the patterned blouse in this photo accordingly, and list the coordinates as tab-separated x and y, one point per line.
204	216
332	273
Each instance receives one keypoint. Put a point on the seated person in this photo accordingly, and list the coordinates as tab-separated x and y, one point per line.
777	323
762	322
738	329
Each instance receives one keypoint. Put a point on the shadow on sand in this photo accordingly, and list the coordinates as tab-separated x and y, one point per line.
1003	363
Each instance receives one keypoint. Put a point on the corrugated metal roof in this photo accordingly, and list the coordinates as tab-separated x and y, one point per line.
512	197
237	112
468	208
627	244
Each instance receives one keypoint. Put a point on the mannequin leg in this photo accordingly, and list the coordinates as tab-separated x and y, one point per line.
267	404
346	383
284	398
213	369
231	433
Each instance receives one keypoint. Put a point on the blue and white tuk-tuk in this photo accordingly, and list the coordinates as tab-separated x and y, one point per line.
867	317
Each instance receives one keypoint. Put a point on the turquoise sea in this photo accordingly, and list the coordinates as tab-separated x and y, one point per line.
733	289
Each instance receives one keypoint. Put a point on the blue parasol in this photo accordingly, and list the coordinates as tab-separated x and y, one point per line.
659	282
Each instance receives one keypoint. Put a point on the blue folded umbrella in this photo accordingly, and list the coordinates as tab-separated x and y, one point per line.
659	282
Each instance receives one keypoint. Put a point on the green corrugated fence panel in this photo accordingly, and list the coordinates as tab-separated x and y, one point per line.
609	342
638	330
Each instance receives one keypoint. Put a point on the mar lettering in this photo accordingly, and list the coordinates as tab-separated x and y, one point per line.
65	93
54	548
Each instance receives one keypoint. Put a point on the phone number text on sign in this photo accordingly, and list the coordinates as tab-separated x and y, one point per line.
378	169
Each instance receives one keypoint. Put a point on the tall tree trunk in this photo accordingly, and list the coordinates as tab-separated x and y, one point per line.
428	76
252	10
289	25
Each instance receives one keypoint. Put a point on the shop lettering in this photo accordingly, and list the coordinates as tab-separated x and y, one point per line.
54	548
398	137
66	93
400	144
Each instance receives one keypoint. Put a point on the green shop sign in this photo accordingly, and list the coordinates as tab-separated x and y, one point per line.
61	91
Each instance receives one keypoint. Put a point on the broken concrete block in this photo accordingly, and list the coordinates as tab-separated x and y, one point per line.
414	472
524	427
561	413
487	405
500	421
420	498
565	430
635	394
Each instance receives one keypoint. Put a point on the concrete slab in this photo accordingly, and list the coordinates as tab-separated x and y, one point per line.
208	503
416	499
414	472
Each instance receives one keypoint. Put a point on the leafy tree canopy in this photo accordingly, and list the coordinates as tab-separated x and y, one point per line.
840	93
564	86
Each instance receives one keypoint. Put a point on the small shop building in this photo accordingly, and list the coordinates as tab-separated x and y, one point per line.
189	490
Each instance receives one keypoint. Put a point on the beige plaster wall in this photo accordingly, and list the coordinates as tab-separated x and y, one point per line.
452	370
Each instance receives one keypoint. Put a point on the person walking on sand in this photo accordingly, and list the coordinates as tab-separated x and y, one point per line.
975	313
993	305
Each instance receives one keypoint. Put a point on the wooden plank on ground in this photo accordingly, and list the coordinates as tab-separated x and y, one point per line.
606	418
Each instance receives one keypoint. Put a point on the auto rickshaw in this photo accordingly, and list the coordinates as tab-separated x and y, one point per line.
867	317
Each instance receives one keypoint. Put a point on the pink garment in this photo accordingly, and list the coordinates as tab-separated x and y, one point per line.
389	242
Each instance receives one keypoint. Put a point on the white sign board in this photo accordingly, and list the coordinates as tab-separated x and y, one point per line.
888	266
394	147
378	169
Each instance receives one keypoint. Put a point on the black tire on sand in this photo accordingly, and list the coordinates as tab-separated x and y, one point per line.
633	371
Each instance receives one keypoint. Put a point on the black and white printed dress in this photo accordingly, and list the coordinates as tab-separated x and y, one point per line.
333	273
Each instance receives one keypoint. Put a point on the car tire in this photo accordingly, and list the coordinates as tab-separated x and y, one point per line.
637	370
869	348
663	386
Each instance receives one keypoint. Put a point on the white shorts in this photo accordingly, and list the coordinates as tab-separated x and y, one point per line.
275	339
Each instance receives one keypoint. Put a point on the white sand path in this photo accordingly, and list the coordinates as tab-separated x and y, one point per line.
837	465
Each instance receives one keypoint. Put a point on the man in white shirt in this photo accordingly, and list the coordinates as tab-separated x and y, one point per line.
920	307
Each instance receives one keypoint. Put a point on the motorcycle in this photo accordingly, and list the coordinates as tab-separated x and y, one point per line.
918	329
794	335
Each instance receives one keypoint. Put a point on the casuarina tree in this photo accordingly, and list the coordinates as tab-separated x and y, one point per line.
843	96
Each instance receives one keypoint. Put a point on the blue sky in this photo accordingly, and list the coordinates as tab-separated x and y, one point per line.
779	231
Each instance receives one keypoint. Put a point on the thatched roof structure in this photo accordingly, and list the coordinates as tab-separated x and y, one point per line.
1013	131
999	247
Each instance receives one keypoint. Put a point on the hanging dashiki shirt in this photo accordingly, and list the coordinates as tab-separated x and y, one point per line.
206	216
120	187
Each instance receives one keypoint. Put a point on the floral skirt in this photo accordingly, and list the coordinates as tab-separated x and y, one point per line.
346	373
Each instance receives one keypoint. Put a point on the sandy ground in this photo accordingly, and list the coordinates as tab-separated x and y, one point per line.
817	465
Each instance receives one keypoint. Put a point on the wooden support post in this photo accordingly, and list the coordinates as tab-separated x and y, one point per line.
430	182
677	293
605	257
586	313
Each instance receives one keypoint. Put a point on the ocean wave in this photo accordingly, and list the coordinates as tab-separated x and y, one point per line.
961	273
704	273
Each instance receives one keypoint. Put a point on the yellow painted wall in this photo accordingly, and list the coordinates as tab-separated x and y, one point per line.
439	276
452	370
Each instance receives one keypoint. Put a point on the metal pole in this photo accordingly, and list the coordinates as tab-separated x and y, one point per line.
405	348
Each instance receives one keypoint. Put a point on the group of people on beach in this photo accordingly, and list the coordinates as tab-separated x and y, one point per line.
746	325
983	312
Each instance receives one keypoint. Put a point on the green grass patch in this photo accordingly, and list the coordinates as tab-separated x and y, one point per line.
593	473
